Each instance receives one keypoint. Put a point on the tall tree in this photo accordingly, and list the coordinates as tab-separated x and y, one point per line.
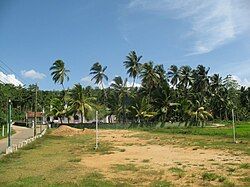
122	91
133	65
79	102
186	78
173	74
57	108
99	75
150	78
59	72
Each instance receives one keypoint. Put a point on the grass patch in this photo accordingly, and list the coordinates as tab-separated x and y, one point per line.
244	166
242	130
56	158
160	184
125	167
198	137
10	158
5	132
228	184
231	170
33	145
145	160
122	150
177	171
75	160
96	179
209	176
245	179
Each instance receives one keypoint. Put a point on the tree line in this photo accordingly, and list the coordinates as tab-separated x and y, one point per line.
176	94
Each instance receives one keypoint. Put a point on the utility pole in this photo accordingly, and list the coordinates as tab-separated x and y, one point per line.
9	123
233	126
2	130
96	130
35	119
42	122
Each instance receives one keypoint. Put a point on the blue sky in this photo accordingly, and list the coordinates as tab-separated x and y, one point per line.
35	33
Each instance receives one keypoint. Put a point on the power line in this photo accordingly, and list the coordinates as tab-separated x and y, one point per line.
5	74
4	77
11	70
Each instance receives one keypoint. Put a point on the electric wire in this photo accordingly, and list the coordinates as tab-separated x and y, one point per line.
6	72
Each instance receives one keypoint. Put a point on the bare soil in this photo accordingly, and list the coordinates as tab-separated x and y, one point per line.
156	161
65	130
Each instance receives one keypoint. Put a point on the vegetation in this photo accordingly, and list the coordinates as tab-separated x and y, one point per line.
63	161
181	94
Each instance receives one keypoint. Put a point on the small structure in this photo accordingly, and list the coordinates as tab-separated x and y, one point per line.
30	117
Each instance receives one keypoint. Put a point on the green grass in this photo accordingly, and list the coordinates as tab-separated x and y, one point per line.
145	160
56	161
177	171
244	166
216	138
75	160
245	179
59	161
5	132
242	130
125	167
210	176
160	184
51	161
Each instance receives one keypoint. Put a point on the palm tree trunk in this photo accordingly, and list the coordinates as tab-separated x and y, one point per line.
81	117
105	94
133	83
60	119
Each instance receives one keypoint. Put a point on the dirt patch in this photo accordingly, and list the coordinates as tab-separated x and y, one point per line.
65	130
148	159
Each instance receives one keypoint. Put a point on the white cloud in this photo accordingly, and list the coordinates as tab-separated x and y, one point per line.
33	74
242	82
213	23
129	84
87	81
10	79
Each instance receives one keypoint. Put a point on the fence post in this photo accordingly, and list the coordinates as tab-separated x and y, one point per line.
9	123
233	126
96	130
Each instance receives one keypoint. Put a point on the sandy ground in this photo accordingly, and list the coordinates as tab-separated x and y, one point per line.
65	130
158	158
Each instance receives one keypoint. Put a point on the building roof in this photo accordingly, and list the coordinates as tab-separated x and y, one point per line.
32	114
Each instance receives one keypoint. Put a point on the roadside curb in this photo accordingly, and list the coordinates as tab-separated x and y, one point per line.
15	147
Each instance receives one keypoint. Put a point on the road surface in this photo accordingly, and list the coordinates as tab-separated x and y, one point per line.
22	133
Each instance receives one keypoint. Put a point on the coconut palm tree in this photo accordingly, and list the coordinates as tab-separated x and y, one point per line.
173	74
79	102
57	108
201	80
186	78
59	72
99	75
142	110
150	78
215	82
122	91
133	65
199	116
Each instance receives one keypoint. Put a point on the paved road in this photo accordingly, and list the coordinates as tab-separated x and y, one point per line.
21	134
